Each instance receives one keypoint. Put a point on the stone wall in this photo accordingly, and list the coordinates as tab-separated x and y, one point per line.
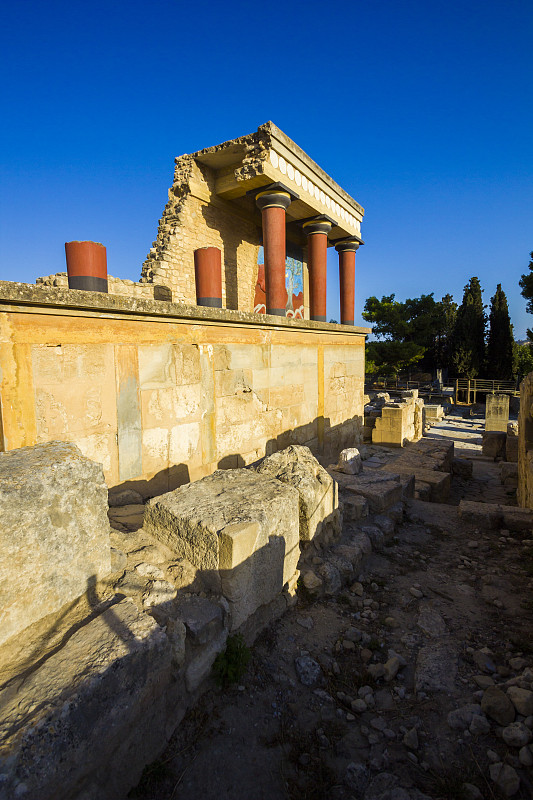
96	677
120	286
161	394
194	217
525	444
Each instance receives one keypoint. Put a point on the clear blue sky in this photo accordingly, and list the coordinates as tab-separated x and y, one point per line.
422	111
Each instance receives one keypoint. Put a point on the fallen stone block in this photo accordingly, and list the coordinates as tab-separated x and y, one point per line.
462	467
439	482
73	724
511	447
517	519
423	491
354	508
318	492
350	461
207	632
238	527
494	444
381	490
492	515
484	515
54	535
509	473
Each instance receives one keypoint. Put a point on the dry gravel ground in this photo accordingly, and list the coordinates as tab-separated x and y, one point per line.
446	611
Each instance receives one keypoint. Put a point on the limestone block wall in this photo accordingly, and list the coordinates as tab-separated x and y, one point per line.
194	217
161	394
525	443
120	286
399	422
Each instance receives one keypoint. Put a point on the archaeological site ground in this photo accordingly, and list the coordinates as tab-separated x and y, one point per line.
229	567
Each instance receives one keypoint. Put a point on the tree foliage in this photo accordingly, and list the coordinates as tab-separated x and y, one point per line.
390	357
526	284
523	360
468	341
501	339
416	331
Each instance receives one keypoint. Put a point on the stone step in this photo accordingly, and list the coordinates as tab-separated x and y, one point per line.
439	482
380	490
494	515
437	515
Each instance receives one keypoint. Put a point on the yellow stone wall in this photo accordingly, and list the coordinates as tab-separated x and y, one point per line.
195	217
525	444
160	400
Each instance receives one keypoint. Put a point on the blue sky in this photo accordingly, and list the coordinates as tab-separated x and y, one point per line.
422	111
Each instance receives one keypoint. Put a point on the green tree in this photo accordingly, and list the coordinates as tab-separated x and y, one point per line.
390	357
446	313
409	332
468	342
500	341
523	360
526	284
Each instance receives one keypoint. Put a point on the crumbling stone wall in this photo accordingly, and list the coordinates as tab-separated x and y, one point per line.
120	286
91	690
194	217
525	443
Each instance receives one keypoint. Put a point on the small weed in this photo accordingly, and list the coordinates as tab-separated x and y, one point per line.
527	605
374	644
230	665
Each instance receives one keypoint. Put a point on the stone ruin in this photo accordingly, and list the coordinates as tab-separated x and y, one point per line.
394	422
105	649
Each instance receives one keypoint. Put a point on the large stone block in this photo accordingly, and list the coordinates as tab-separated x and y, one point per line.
54	535
319	502
496	412
238	527
86	720
380	490
494	444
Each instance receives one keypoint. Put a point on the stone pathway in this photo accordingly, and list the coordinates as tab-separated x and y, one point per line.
413	681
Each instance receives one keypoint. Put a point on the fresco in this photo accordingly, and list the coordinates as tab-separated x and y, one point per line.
293	284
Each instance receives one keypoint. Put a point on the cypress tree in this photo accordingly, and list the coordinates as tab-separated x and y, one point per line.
500	341
468	348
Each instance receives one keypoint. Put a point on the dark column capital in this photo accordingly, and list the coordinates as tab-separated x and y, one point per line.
348	245
319	225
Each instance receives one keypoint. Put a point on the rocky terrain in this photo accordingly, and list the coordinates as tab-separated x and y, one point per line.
408	674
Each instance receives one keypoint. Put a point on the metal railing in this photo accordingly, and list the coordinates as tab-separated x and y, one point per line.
466	389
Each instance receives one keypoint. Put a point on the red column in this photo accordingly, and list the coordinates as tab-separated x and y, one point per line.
346	251
86	266
208	277
317	259
273	203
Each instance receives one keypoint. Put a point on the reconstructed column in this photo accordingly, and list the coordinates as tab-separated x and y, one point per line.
208	277
346	250
317	258
86	266
273	203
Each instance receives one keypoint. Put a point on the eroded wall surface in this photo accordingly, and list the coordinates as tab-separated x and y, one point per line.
194	217
525	444
161	394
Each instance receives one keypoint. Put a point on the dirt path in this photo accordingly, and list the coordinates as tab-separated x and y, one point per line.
350	696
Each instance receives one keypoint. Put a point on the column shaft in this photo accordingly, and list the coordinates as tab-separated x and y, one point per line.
274	248
317	255
208	276
347	286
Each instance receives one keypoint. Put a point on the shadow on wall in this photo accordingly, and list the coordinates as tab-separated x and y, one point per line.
231	241
323	439
91	711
